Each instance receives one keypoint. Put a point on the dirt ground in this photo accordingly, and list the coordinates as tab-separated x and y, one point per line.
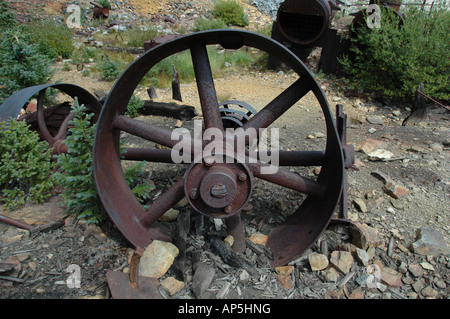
46	262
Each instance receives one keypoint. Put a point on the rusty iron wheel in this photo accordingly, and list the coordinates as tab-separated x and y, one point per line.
13	105
216	189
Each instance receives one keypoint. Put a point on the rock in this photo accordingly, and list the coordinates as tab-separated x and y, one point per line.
427	266
172	285
360	205
284	275
258	238
362	256
381	176
418	285
358	293
375	119
170	215
370	145
391	278
394	190
244	276
364	236
318	261
331	274
429	292
341	260
430	242
229	240
415	270
32	106
380	154
157	259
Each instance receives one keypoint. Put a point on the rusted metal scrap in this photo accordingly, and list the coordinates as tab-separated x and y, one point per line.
302	25
51	123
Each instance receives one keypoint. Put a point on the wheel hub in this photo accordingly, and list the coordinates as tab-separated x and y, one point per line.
218	189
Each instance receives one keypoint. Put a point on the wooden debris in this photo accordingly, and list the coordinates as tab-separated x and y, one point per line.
229	256
203	275
419	110
176	91
178	111
180	241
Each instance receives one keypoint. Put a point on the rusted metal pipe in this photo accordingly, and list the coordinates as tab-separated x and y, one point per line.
15	222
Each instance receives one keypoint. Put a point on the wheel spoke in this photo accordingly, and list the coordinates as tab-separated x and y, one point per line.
41	119
148	154
279	105
146	131
291	158
163	203
205	85
289	180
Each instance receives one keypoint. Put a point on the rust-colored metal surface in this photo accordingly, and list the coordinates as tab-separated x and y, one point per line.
214	188
303	22
40	119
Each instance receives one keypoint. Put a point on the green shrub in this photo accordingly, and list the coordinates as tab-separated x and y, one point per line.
75	172
202	24
393	61
110	69
53	39
7	18
105	4
25	165
230	12
21	65
134	106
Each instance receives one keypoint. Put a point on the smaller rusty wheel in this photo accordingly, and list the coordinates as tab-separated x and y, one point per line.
234	117
13	105
214	187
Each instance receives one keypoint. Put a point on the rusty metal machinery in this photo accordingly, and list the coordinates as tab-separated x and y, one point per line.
212	188
303	22
302	25
51	123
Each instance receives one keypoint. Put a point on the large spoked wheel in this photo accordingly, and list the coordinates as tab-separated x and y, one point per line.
213	188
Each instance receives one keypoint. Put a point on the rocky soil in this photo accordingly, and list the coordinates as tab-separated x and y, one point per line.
393	246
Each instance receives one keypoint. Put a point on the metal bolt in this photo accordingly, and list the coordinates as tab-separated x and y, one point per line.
242	177
228	209
219	190
209	161
193	194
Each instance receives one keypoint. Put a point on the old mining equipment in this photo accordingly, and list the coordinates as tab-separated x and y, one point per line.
302	25
203	178
51	123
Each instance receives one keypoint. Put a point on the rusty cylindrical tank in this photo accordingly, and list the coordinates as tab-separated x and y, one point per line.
302	22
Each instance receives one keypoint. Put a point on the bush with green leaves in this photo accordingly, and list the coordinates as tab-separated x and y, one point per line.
134	106
75	172
25	165
21	63
110	69
202	24
52	38
231	12
7	18
392	60
105	4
